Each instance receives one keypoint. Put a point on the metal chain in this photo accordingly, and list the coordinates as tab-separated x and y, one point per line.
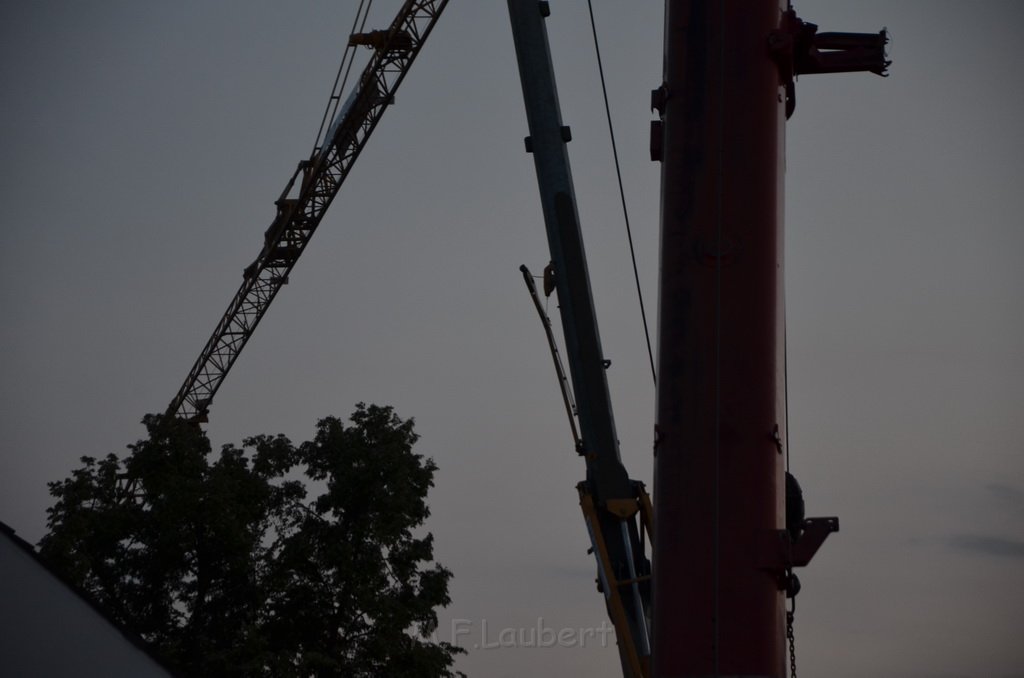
792	640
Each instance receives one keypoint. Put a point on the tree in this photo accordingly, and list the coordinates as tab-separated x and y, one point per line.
234	567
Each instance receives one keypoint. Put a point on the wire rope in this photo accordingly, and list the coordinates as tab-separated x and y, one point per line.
347	59
719	207
622	192
785	377
332	101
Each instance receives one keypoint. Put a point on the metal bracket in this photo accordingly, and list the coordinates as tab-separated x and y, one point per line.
777	552
657	137
659	97
799	49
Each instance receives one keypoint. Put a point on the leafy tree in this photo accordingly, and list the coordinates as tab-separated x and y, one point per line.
231	566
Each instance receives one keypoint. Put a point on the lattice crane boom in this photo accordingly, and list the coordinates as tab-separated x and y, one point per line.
305	200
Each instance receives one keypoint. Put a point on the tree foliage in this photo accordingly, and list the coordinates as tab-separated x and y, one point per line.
234	565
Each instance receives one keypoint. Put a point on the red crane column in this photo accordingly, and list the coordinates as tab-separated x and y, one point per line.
723	554
718	479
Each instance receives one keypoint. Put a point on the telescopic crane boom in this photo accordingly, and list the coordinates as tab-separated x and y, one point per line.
616	509
305	199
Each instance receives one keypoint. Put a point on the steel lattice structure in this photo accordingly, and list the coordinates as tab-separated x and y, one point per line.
301	207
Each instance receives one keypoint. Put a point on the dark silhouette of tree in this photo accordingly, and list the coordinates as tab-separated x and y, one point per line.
283	561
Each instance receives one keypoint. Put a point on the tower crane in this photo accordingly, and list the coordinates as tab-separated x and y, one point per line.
306	197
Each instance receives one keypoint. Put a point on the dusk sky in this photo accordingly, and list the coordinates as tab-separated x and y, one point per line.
144	144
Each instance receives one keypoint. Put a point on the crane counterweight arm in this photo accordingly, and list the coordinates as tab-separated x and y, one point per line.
305	200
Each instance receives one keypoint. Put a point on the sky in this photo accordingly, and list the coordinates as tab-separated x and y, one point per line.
144	144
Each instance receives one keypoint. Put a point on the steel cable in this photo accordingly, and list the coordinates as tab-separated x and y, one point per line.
622	192
347	59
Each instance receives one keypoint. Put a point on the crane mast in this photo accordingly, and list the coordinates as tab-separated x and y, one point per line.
724	548
305	200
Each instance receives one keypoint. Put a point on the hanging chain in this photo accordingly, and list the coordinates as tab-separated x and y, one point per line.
792	640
